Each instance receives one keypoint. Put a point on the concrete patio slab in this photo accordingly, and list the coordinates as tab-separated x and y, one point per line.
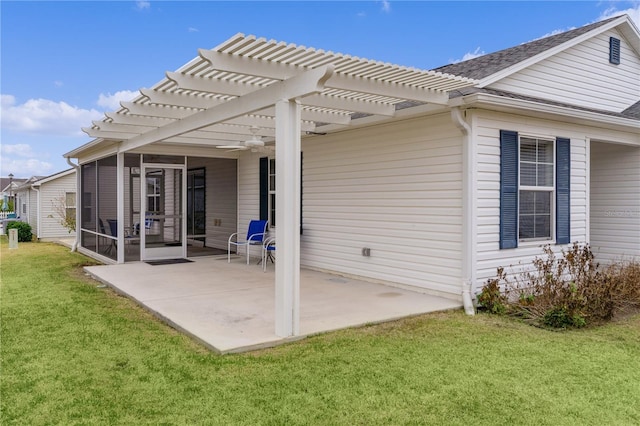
230	307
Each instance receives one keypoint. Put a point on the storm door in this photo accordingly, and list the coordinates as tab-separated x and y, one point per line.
163	195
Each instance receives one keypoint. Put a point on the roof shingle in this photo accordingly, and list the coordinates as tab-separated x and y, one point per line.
486	65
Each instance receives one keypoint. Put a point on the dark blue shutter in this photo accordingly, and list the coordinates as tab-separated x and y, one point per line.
563	201
508	189
264	188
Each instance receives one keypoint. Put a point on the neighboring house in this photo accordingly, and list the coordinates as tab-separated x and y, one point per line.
44	202
9	186
423	179
26	202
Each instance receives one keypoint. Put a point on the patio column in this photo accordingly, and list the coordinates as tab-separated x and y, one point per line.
120	204
287	306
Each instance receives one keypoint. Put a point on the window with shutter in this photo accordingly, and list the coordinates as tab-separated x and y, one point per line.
534	189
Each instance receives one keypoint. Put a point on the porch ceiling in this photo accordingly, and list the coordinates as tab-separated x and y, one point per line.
245	65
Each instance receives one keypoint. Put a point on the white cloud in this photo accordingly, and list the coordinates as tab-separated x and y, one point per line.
58	83
552	33
142	5
193	30
112	102
43	116
633	12
386	6
469	55
20	149
25	168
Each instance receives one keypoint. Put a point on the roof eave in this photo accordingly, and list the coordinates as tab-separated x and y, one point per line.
532	108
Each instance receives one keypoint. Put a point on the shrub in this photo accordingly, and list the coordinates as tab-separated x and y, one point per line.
569	291
491	297
24	230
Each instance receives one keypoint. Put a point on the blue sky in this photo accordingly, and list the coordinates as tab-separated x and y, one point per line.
64	64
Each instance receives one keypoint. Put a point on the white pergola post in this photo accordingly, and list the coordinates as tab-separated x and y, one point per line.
120	205
287	306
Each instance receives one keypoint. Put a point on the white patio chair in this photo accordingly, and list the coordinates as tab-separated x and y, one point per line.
268	248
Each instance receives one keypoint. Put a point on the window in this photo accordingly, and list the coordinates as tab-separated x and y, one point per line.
196	205
536	189
154	192
268	190
70	206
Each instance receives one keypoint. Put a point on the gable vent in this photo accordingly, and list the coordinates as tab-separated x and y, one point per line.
614	50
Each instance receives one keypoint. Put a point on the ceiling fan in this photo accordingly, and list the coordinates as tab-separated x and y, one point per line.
254	144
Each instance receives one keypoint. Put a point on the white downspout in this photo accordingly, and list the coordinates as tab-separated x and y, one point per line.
468	211
37	211
74	247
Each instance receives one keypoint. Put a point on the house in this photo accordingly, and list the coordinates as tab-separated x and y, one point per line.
45	202
9	186
424	179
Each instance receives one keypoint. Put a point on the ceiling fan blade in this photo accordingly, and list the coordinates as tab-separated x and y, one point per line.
230	146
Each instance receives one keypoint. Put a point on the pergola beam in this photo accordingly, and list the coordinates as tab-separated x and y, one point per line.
179	100
157	111
280	71
137	120
305	84
208	85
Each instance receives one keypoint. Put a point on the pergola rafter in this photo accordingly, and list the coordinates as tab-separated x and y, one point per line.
244	68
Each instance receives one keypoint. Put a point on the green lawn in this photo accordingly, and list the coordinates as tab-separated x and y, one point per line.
73	353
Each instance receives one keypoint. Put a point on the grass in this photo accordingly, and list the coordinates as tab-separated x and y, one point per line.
73	353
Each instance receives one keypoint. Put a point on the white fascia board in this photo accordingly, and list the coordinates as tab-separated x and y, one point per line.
532	108
631	33
87	146
307	83
279	71
548	53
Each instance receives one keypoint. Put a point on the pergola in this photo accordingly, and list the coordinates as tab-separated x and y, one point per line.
283	90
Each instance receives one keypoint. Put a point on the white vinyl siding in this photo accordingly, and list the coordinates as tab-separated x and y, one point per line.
396	189
249	192
487	126
568	76
615	201
52	192
220	198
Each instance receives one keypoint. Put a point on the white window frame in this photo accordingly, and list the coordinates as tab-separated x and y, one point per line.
550	189
68	206
271	178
